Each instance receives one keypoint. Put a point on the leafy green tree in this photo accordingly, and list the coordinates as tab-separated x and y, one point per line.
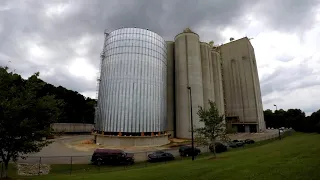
211	43
318	127
25	116
213	129
294	118
314	120
269	118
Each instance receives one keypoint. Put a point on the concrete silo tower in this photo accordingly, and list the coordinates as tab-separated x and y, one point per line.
188	72
207	75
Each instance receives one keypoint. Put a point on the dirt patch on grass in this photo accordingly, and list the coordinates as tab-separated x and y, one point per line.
88	146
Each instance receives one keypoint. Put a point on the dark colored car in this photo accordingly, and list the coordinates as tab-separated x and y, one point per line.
239	143
219	147
232	144
187	151
160	156
111	156
249	141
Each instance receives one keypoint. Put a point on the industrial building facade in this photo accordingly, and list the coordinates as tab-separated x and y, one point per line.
144	79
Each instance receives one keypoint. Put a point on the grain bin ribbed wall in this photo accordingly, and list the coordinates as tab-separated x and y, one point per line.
208	87
170	87
133	87
188	73
218	82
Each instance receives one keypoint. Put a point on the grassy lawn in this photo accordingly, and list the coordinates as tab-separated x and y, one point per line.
294	157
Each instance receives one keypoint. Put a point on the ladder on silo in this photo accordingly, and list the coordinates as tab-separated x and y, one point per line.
222	78
102	56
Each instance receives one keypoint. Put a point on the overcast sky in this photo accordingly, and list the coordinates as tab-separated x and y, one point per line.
62	39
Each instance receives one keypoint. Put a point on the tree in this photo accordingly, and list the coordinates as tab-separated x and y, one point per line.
213	129
318	127
269	118
211	43
294	118
25	116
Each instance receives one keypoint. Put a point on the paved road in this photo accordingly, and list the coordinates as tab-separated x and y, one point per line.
58	153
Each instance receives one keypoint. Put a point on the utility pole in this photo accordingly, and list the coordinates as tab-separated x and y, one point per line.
192	139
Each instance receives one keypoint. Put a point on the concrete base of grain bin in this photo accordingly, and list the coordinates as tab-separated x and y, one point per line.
128	141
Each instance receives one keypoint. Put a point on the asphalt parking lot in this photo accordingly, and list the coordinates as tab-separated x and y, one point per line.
60	153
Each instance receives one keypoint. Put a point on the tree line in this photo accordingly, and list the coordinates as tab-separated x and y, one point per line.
75	107
294	118
27	109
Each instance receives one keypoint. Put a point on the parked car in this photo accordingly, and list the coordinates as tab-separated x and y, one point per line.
111	156
249	141
232	144
160	156
187	151
219	147
239	143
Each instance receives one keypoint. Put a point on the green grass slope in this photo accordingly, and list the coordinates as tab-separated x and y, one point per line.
294	157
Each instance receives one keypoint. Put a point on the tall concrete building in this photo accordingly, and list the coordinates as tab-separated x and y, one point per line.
143	86
226	74
243	104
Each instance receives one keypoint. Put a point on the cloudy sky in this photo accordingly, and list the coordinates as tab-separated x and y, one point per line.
62	39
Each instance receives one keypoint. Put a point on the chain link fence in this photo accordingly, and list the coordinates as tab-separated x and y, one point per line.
34	165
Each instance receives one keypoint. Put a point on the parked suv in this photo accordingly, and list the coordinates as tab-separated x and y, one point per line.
187	151
111	156
249	141
219	147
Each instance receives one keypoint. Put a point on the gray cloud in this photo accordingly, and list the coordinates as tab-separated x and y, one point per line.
288	15
288	79
26	21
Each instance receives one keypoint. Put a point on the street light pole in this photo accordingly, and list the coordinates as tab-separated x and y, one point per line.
192	140
279	127
276	107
